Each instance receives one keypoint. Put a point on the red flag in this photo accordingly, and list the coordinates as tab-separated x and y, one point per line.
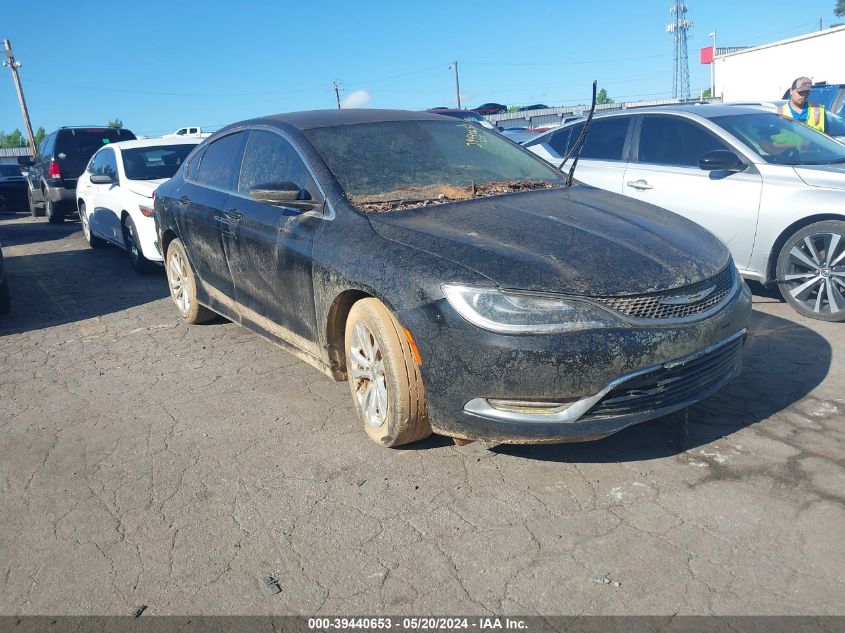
707	55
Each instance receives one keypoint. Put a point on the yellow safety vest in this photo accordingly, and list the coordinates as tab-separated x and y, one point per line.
815	115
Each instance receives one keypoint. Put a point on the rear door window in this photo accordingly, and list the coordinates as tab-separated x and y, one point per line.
606	139
666	140
221	162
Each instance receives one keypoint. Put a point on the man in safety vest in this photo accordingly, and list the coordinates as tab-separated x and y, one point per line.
798	108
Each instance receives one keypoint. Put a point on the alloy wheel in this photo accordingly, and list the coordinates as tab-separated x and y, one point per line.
178	278
366	366
83	219
132	244
815	273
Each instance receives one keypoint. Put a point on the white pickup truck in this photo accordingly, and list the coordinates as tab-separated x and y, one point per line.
191	130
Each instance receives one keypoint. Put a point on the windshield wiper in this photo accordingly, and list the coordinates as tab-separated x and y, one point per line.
579	144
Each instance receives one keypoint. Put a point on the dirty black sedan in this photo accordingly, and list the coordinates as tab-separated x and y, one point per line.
450	276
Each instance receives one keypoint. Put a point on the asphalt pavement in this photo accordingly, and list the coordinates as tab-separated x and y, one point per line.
146	462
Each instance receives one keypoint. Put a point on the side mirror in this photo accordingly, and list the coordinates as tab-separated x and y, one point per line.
721	160
26	161
281	193
285	194
101	179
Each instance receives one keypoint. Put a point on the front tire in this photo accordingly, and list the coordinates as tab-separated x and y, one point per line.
384	377
55	214
811	271
93	240
183	285
140	264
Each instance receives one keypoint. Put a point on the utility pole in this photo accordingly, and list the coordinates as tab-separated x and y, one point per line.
457	83
336	89
13	64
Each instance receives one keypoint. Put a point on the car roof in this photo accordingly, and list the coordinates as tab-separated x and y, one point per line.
706	110
155	142
452	110
325	118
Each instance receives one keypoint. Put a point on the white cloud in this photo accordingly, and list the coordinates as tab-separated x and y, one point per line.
356	99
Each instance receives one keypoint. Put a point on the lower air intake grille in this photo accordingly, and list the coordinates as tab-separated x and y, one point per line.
668	387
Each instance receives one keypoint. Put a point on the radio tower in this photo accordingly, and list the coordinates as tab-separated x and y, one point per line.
679	28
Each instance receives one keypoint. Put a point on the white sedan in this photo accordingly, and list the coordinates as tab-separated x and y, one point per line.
115	194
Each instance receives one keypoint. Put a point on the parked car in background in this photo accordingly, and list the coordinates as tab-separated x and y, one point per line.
491	108
450	277
60	159
465	115
194	130
534	106
12	188
5	300
770	188
115	194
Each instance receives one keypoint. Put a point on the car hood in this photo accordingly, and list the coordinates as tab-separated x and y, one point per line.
828	176
581	241
144	187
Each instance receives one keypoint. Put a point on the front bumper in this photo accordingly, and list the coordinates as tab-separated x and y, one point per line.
617	377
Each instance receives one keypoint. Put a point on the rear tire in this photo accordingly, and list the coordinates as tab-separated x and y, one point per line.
55	213
139	263
34	209
811	271
93	240
384	377
183	285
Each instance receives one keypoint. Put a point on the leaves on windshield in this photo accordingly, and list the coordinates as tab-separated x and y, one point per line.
412	197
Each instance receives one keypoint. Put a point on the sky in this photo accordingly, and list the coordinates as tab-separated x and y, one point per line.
162	64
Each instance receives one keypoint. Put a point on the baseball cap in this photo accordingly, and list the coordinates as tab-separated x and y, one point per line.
803	84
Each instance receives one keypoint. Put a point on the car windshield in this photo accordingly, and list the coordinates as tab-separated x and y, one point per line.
399	164
781	140
10	170
153	163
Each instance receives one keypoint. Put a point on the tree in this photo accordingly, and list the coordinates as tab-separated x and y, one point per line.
840	8
15	138
706	94
513	108
603	99
40	133
117	123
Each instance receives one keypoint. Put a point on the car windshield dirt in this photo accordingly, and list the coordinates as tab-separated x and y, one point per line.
153	163
402	164
783	141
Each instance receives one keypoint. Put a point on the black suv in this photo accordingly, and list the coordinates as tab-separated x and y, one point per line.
61	159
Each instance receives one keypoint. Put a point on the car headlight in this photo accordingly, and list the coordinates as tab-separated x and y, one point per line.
522	312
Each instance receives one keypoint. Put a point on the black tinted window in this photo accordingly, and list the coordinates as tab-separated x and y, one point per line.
155	162
606	139
109	164
269	160
97	162
222	162
674	141
561	141
84	142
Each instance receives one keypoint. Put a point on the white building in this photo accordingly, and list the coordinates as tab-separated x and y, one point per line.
764	73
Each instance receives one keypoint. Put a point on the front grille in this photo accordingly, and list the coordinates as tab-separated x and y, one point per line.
653	306
664	387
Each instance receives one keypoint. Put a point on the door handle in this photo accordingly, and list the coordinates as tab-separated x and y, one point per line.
184	200
640	184
232	214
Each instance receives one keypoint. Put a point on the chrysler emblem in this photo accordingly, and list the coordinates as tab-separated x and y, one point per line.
684	300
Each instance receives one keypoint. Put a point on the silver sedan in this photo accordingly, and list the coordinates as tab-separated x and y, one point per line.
770	188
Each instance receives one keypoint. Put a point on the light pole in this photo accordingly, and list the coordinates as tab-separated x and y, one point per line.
713	68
